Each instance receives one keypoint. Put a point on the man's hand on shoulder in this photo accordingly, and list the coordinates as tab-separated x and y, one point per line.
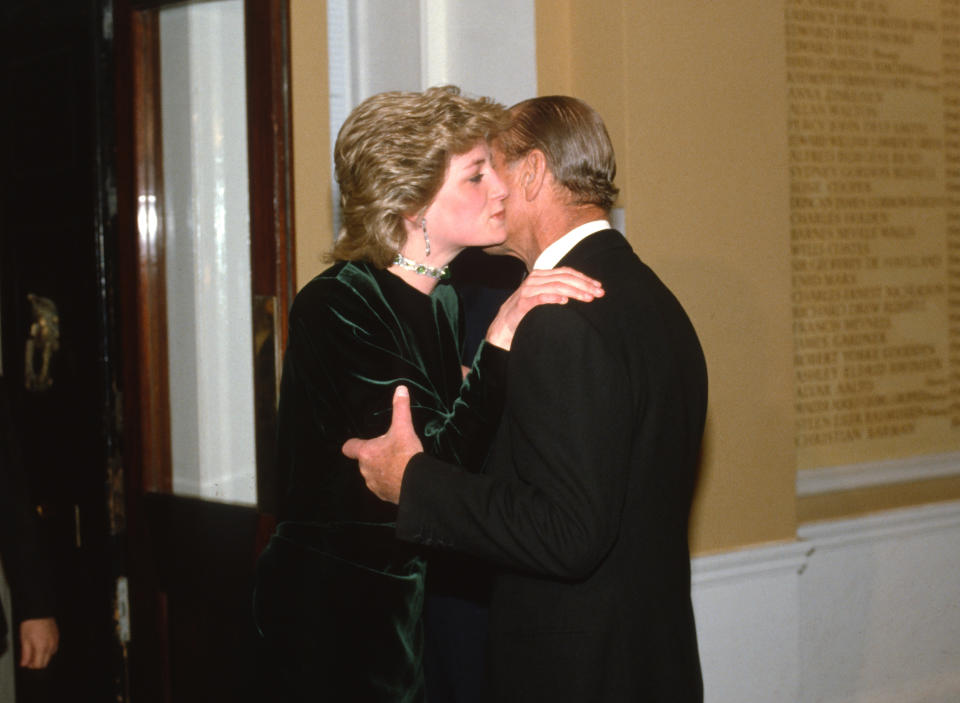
383	460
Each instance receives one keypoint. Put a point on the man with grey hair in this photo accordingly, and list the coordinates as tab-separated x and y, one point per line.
584	499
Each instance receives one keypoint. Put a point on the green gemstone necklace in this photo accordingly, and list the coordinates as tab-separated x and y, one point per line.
440	273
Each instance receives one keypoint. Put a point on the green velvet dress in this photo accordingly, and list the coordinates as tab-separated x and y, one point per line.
338	599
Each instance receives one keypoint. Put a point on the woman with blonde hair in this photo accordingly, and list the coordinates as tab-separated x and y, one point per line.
338	599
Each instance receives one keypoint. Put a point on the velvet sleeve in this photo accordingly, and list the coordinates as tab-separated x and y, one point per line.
464	434
550	498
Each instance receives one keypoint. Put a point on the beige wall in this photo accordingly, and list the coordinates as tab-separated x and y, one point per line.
693	98
311	141
694	95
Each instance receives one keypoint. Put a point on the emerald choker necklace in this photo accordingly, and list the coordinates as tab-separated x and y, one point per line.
440	273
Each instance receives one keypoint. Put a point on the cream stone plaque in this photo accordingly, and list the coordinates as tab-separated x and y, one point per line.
874	156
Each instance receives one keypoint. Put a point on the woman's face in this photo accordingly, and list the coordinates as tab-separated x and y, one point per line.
468	209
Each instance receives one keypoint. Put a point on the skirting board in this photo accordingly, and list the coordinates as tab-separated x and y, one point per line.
754	562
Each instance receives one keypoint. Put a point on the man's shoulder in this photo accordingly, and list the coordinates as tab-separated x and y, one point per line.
552	326
610	258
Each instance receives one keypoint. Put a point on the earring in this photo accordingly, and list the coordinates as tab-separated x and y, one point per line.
426	239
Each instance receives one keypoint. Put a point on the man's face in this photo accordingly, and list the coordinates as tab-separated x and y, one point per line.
514	207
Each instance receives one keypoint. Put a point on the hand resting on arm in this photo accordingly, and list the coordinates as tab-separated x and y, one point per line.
383	460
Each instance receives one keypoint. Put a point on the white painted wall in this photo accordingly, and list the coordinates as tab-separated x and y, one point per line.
745	604
856	611
207	226
486	48
880	608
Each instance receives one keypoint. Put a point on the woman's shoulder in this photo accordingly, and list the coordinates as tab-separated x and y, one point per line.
347	295
342	282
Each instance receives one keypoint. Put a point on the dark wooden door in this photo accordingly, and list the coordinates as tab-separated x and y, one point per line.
57	245
192	557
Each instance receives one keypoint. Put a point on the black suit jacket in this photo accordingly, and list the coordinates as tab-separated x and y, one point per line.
585	496
24	561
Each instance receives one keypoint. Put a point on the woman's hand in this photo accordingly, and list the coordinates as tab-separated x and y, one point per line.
541	286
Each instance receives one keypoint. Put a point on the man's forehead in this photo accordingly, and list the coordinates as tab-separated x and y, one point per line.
499	160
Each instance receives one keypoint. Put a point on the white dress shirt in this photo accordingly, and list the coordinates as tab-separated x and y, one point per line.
550	256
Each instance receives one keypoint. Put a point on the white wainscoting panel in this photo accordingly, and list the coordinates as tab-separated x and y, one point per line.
745	604
880	608
865	610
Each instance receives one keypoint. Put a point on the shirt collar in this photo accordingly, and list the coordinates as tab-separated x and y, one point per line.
550	256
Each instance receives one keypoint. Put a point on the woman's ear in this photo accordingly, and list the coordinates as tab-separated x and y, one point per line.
413	218
411	226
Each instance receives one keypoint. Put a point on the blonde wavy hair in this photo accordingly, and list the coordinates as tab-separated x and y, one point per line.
391	158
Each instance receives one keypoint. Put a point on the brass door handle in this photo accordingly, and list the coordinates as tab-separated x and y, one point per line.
43	341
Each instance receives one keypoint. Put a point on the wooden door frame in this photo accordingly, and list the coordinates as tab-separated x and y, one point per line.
147	456
270	197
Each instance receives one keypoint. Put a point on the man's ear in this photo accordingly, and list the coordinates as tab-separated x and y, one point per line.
534	174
